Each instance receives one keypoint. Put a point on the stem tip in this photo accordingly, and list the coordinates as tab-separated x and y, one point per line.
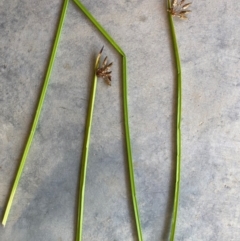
101	49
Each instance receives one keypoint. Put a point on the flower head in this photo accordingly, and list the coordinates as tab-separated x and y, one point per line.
104	71
179	9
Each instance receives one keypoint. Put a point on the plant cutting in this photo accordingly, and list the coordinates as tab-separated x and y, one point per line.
178	9
105	73
37	115
125	114
84	162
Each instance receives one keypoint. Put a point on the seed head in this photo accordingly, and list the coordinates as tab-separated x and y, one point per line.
104	71
179	9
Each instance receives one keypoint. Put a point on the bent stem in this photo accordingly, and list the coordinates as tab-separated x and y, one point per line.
83	173
125	111
178	141
37	115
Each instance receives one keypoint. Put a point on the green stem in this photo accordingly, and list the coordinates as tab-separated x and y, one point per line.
84	162
125	111
37	115
178	141
129	151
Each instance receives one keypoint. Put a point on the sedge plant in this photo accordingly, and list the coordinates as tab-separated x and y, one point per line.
84	162
37	114
178	9
126	127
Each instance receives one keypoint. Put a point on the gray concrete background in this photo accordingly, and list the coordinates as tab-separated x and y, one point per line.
44	207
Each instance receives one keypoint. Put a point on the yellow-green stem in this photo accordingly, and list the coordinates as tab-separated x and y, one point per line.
37	115
178	137
84	162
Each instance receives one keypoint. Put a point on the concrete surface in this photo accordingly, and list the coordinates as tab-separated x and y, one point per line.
44	207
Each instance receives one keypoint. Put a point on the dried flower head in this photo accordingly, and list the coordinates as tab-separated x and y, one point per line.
104	71
179	9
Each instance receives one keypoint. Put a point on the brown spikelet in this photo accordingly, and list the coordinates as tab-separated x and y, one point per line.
104	71
180	9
